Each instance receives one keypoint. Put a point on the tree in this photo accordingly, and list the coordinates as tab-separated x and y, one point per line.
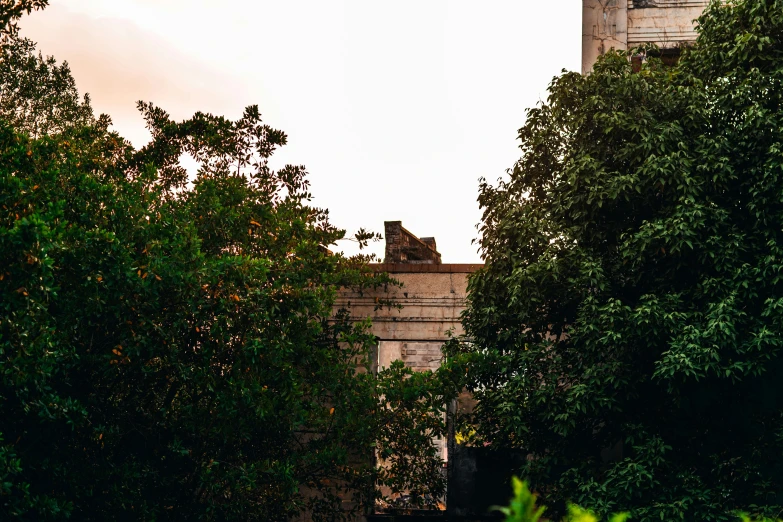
38	96
169	350
11	11
626	328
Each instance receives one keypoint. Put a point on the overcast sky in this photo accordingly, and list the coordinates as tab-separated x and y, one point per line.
396	108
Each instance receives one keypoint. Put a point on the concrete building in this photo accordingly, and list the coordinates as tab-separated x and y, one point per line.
623	24
432	297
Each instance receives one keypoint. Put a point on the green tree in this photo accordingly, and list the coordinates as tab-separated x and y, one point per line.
11	11
626	329
169	350
38	96
412	415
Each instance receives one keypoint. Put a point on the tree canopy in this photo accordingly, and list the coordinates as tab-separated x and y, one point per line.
625	332
168	346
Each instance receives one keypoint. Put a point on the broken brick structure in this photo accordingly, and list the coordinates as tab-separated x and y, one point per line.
404	247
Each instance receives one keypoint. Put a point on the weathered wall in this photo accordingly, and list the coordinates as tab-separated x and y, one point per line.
604	27
667	23
432	299
619	24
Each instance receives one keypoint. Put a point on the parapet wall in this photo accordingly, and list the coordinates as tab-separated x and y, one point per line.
432	298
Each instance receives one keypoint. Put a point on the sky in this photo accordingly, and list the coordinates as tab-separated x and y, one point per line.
395	108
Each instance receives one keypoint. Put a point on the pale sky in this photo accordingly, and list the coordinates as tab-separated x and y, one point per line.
395	108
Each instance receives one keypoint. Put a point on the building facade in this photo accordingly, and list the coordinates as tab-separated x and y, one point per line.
624	24
431	299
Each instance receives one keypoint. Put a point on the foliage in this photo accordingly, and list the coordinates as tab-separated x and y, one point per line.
414	414
522	508
11	11
37	96
168	349
172	352
626	328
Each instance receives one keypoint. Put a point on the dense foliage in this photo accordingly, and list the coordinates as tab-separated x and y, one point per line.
168	349
414	413
626	329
